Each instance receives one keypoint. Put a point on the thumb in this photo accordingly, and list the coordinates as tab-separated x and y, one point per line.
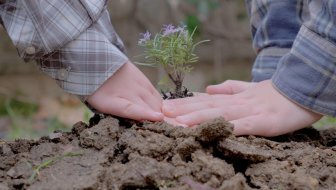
229	87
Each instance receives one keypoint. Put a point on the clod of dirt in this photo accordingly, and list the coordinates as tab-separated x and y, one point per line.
100	135
146	143
76	172
242	148
186	147
78	127
213	131
55	136
21	145
4	186
237	182
288	176
139	172
113	154
22	169
7	162
5	150
195	185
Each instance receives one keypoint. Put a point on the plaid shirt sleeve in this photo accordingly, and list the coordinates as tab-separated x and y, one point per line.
73	41
274	26
302	61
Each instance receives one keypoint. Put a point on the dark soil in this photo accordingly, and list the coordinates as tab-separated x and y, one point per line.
175	95
115	155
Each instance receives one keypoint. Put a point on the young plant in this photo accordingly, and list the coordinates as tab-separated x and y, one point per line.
173	49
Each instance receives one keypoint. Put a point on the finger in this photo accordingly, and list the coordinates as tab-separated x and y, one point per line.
156	93
199	94
177	110
260	125
152	100
228	87
127	109
174	111
138	97
229	113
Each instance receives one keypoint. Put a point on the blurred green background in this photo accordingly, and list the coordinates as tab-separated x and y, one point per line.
32	105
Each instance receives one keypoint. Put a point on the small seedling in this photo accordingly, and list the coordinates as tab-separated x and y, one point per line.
37	169
173	49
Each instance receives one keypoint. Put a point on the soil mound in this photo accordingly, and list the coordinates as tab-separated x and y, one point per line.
114	154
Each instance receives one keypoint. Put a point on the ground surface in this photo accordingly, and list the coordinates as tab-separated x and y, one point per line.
121	155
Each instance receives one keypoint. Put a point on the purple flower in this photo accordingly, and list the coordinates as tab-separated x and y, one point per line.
182	30
168	29
145	37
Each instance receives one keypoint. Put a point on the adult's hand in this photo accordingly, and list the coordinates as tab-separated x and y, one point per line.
128	93
253	108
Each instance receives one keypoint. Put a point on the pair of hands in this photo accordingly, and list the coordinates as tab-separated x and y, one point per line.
253	108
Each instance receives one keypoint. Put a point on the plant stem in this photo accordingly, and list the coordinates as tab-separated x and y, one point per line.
178	81
178	89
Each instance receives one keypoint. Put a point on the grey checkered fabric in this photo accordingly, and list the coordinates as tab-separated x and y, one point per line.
296	45
72	41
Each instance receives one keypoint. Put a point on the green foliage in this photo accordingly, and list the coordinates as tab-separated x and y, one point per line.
22	123
192	22
17	107
325	123
173	49
53	124
26	128
87	115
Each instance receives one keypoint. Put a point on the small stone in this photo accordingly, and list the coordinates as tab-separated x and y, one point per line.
11	172
53	136
6	150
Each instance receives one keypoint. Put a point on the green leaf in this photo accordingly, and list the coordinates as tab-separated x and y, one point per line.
146	64
192	22
198	43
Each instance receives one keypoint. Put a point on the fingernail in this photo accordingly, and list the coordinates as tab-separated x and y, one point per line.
210	88
158	114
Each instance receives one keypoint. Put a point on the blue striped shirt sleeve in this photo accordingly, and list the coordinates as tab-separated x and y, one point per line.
274	26
307	74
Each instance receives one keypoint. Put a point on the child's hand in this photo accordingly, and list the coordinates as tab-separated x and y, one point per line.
128	93
253	108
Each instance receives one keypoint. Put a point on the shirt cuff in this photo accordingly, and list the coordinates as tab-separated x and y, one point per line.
307	75
266	63
84	64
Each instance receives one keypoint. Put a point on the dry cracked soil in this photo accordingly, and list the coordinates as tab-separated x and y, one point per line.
114	154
